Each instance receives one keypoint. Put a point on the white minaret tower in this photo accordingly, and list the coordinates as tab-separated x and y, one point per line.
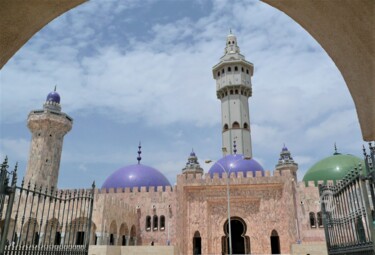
233	87
48	127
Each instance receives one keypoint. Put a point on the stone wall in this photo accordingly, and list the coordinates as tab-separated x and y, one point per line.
133	250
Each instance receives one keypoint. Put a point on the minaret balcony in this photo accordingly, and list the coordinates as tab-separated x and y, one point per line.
234	90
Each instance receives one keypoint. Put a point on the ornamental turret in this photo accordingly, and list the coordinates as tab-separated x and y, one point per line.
286	162
192	166
233	87
48	127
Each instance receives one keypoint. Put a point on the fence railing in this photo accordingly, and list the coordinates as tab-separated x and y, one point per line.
41	220
348	210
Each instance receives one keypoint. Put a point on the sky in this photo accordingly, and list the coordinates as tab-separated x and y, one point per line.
141	71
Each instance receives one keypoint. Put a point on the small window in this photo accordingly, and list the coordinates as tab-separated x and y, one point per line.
229	69
235	125
225	127
232	42
236	91
148	223
162	222
236	68
245	125
312	220
222	71
247	71
320	219
231	91
156	224
242	70
218	73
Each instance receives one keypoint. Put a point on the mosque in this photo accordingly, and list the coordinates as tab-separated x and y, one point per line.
271	212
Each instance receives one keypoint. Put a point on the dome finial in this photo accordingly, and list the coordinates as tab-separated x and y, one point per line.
55	88
139	153
335	149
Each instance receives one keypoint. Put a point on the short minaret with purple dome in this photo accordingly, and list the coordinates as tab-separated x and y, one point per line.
192	166
233	87
48	128
286	162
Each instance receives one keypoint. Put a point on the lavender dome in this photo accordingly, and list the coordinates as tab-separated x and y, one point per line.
235	163
136	176
53	97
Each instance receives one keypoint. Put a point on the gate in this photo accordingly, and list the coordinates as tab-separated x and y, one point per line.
38	220
348	210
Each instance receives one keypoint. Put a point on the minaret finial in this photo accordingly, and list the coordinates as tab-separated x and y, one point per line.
139	153
55	88
230	30
234	147
335	149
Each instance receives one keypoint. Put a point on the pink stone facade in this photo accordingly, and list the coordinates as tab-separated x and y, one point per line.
199	203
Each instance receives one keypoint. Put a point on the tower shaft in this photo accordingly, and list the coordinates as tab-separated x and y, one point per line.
233	88
48	128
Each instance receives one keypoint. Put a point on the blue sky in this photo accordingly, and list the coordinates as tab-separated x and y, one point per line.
130	71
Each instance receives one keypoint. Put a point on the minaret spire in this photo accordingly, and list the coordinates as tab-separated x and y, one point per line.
139	153
233	88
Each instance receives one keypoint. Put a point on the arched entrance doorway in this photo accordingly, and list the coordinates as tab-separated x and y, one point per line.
197	243
275	242
240	242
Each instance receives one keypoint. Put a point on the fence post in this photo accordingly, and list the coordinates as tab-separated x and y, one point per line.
90	215
12	192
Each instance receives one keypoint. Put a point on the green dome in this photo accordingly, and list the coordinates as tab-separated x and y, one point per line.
332	168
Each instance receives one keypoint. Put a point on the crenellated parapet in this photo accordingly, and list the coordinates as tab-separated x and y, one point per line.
240	178
135	190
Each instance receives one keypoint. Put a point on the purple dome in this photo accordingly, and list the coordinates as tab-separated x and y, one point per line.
53	97
137	175
235	163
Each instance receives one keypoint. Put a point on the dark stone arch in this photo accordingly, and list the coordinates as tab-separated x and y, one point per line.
197	243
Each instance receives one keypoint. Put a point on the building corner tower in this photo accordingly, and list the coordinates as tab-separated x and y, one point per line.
48	127
233	87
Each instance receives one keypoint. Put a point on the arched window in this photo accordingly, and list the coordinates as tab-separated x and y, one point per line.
235	125
229	69
242	70
218	73
162	222
312	220
225	127
222	71
197	243
247	71
275	242
148	223
236	91
155	222
245	125
320	219
236	68
231	91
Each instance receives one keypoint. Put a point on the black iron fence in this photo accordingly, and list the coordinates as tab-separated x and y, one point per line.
38	220
348	210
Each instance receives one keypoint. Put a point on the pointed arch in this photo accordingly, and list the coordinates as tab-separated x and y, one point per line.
162	223
197	243
320	219
245	125
148	223
275	242
226	127
312	220
155	223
